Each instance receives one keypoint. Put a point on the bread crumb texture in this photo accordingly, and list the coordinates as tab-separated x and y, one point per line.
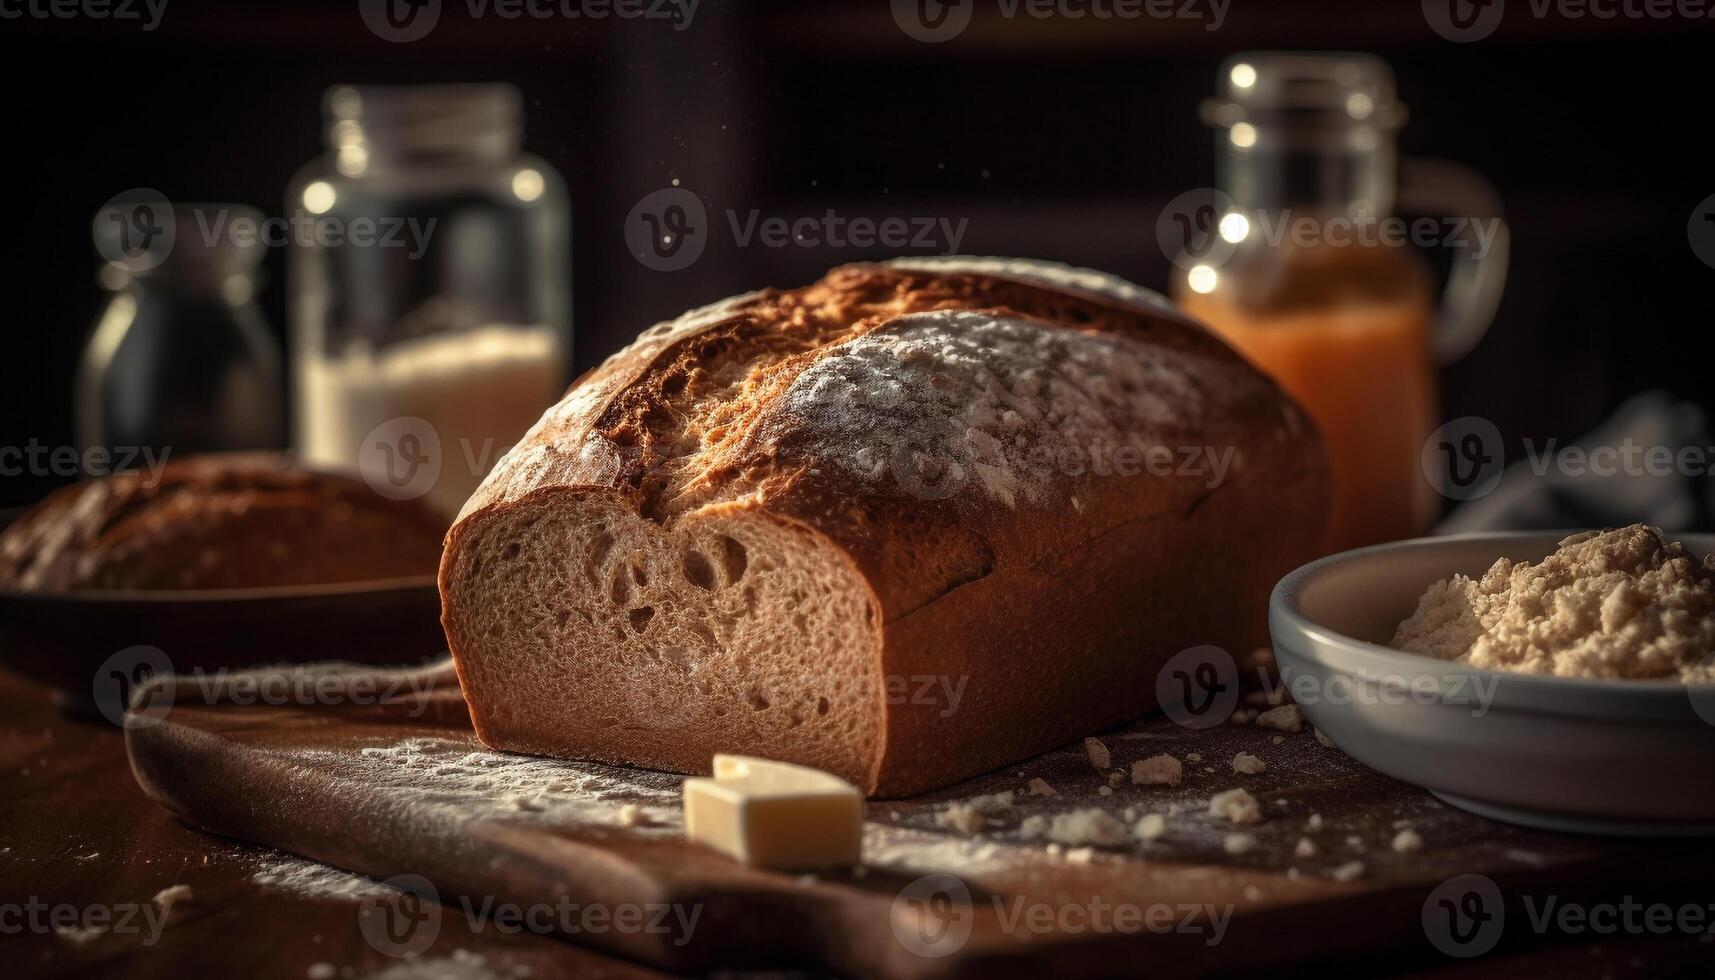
1606	604
1157	770
1087	826
1408	841
1236	806
1151	826
1099	755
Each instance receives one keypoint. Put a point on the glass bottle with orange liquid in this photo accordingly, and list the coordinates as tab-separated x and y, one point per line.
1300	262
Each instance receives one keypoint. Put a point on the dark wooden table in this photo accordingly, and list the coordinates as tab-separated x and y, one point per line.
77	838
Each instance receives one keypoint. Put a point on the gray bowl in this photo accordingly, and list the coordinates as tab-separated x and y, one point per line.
1593	756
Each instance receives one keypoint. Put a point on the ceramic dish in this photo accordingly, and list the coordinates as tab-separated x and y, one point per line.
1597	756
76	641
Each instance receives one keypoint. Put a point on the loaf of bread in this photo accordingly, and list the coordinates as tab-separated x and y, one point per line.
220	521
907	524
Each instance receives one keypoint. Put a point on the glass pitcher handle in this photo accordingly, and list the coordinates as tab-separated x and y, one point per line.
1456	193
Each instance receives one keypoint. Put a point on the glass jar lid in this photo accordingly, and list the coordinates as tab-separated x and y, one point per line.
388	125
1306	91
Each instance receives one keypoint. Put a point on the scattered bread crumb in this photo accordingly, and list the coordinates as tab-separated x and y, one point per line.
1099	755
1157	770
1238	843
630	815
1278	739
1248	764
1236	805
166	898
1306	848
1350	871
1087	826
1104	791
1325	740
1242	716
321	971
1315	821
961	816
1033	826
1151	826
78	935
1408	841
1193	757
1040	787
1286	718
1253	893
1116	777
1080	855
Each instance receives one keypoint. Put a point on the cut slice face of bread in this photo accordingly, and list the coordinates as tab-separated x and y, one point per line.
908	523
595	632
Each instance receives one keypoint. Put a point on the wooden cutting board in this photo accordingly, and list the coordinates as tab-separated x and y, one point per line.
404	789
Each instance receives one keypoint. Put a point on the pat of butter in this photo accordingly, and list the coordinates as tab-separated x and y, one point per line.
775	814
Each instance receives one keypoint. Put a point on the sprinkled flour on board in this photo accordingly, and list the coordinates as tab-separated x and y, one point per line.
447	773
958	398
312	880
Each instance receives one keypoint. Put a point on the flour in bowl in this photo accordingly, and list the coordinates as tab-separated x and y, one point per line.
1609	604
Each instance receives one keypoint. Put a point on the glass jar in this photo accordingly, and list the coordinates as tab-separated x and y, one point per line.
181	360
430	296
1305	268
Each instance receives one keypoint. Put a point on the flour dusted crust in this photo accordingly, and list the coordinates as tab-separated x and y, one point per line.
760	527
999	404
1089	283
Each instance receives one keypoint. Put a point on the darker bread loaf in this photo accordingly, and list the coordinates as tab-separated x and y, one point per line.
219	521
912	522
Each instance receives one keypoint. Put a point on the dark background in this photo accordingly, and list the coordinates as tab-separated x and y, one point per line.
1057	139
